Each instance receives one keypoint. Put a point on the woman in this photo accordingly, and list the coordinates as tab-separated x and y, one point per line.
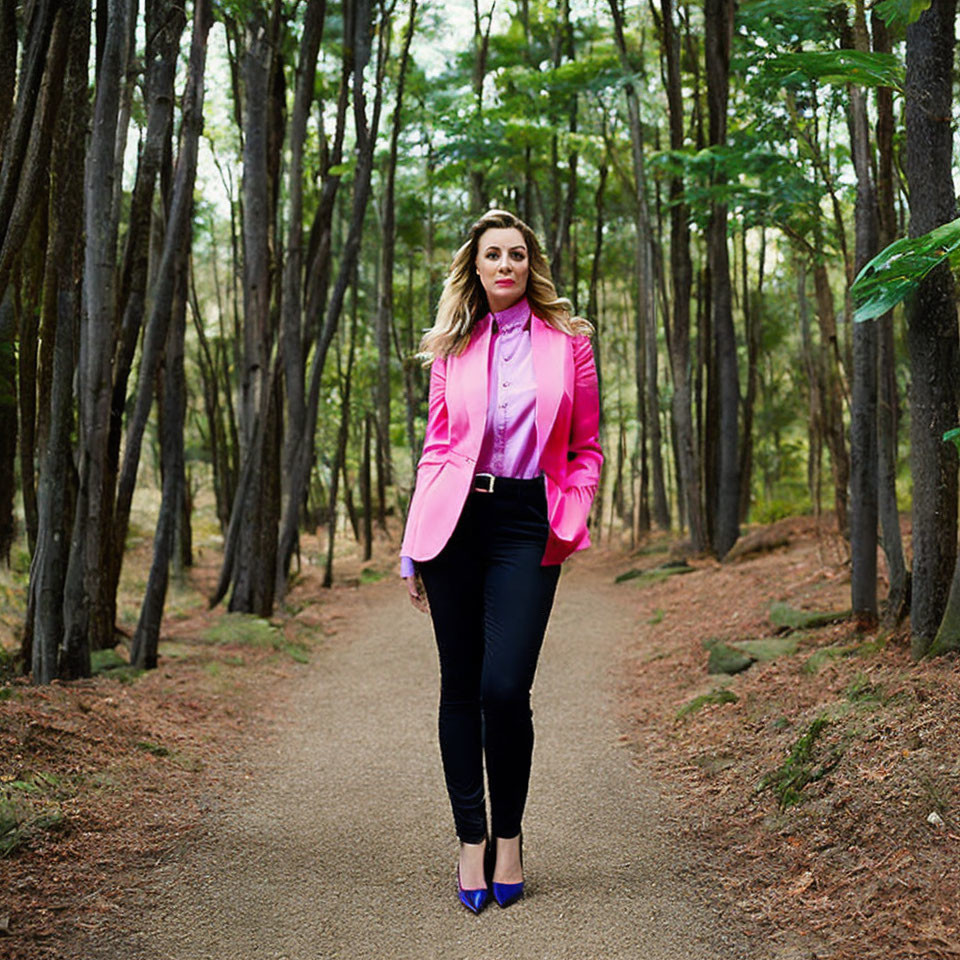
509	468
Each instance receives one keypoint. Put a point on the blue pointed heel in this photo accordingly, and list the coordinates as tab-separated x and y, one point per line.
474	899
507	893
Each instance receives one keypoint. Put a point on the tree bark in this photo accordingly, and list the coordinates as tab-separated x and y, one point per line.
831	383
360	23
291	336
171	297
481	46
648	398
384	320
888	400
718	18
752	314
8	65
8	422
87	622
931	320
21	124
681	275
863	413
343	432
165	23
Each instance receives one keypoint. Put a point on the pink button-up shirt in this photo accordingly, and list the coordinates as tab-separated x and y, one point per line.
509	447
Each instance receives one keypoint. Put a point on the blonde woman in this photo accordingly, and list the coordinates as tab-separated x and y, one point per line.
510	465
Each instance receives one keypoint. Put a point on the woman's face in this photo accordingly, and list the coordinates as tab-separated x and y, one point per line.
503	265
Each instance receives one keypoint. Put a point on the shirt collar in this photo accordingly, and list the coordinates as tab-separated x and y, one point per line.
514	316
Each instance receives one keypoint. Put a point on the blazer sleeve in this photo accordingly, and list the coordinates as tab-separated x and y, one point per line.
584	456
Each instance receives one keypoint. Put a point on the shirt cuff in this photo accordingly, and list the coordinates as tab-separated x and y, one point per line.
406	567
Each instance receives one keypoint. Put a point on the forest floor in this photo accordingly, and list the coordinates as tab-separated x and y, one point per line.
810	801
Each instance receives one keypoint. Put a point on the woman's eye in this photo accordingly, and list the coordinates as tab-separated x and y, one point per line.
518	255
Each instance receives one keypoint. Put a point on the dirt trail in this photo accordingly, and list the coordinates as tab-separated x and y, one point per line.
333	837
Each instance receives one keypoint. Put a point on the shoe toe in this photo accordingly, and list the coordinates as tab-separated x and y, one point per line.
507	893
474	900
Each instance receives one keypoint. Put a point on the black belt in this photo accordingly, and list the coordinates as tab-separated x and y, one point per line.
511	486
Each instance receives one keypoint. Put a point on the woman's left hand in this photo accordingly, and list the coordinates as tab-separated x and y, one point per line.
418	596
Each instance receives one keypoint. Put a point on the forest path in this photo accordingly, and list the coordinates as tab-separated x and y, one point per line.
335	839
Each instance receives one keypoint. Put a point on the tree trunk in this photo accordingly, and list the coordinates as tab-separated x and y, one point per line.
361	28
8	65
384	320
648	399
366	489
291	337
172	297
931	320
21	125
45	608
146	638
718	18
165	23
481	45
87	622
316	282
752	313
831	383
8	422
863	413
681	273
888	400
343	432
163	294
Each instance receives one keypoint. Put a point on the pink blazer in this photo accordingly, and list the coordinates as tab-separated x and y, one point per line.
567	418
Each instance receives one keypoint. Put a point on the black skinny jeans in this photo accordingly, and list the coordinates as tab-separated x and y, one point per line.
490	600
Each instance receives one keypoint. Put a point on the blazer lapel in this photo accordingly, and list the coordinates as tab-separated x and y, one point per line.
472	384
548	369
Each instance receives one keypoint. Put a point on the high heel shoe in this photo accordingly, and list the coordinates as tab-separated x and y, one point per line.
507	893
474	899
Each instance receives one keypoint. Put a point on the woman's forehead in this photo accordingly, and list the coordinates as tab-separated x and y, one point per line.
501	237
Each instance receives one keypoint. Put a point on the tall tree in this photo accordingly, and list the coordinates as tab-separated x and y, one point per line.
718	22
887	396
384	323
681	277
648	398
48	569
863	426
291	335
171	298
87	620
932	319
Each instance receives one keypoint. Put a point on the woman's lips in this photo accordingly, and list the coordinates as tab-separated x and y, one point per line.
504	283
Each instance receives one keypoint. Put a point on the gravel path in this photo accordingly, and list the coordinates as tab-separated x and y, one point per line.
335	840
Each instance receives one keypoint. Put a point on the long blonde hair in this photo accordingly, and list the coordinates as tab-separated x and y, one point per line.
464	301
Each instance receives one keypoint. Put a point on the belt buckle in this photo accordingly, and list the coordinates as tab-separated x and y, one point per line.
484	489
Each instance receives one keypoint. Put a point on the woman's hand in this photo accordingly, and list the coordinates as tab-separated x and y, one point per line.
418	596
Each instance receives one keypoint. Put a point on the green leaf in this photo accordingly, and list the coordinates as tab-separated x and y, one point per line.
858	67
901	12
953	436
896	271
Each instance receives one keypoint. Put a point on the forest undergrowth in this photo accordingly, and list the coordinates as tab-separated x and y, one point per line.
824	777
